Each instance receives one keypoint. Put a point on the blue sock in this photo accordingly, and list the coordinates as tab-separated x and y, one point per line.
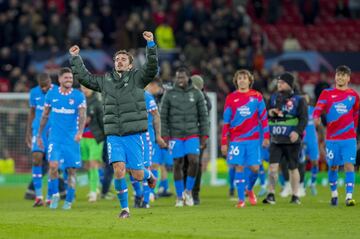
349	182
179	186
190	181
262	175
161	184
247	173
165	184
240	185
50	191
137	187
65	177
155	172
314	171
70	193
232	177
146	174
37	180
146	192
54	186
122	192
281	180
333	176
101	175
252	180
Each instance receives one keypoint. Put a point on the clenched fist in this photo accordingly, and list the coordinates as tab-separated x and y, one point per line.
74	50
148	36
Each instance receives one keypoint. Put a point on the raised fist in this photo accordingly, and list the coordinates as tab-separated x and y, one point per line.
74	50
148	36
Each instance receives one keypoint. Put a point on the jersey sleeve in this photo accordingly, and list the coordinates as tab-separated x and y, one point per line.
48	99
356	111
320	104
32	101
150	103
81	101
263	117
226	121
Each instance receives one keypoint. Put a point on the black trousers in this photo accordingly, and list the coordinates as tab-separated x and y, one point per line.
108	171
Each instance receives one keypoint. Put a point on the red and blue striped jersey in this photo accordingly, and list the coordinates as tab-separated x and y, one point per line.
243	115
341	108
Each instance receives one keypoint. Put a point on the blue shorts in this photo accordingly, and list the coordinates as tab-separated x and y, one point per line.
68	155
162	156
127	149
35	147
245	153
148	149
312	150
339	152
179	148
265	154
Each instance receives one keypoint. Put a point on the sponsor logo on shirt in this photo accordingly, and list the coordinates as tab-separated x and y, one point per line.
63	110
341	108
244	111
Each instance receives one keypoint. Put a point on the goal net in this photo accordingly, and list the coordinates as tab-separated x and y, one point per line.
14	154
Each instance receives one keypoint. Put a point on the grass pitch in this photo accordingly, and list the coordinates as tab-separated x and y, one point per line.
216	217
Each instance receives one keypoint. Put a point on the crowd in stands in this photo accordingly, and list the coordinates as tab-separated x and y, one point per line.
214	38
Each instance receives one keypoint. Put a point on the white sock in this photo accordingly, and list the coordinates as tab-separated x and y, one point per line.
334	194
348	196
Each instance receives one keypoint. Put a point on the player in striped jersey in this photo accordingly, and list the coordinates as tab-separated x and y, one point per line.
244	114
341	108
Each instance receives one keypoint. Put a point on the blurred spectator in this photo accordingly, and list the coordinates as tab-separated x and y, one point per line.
22	56
291	43
259	8
107	24
354	6
87	18
95	35
309	10
165	36
342	9
74	28
259	38
194	52
6	61
273	11
258	61
135	27
323	83
56	29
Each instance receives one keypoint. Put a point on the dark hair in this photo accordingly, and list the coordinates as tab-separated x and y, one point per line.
243	72
183	69
157	80
343	69
125	52
64	70
43	77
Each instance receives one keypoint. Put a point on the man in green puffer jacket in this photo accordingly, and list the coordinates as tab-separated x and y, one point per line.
125	117
185	122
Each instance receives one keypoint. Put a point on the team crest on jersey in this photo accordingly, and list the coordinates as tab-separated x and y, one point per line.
251	99
350	98
71	101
